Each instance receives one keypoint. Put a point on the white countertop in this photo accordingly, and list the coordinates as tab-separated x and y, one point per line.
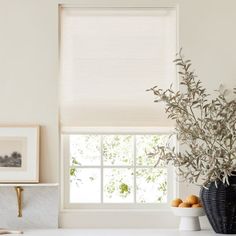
116	232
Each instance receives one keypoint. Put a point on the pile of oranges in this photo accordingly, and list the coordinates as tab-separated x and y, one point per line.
191	201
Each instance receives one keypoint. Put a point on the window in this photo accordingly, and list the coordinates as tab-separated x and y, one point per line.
114	170
108	58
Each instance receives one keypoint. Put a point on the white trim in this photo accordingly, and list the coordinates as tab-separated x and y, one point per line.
102	168
116	130
62	173
115	207
122	6
134	168
122	210
177	44
65	189
121	166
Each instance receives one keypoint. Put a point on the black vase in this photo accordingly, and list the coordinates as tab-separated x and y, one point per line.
220	205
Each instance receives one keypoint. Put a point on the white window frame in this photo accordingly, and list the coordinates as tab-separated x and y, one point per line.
118	218
172	187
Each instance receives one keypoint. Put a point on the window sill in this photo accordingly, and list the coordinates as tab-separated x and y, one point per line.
167	209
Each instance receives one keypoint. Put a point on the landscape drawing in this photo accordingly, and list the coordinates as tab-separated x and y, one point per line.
13	160
12	151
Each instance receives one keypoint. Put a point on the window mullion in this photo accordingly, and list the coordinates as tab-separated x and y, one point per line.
101	149
116	166
134	169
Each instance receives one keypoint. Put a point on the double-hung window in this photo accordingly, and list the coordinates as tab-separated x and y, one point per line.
109	123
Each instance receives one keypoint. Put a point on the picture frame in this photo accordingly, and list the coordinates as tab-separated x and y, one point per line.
19	154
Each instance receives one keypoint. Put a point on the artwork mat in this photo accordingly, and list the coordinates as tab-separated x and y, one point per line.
30	171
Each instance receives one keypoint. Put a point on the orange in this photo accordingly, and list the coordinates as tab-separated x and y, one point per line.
176	202
185	205
192	199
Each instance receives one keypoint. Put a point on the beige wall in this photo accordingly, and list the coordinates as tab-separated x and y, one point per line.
29	68
29	73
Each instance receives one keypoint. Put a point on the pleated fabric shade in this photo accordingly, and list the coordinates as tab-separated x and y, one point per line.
109	57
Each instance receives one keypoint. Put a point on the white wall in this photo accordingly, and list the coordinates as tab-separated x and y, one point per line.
29	75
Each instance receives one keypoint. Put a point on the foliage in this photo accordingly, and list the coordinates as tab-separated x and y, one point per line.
73	169
206	126
117	149
117	153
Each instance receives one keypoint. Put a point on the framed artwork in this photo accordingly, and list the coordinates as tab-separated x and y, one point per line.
19	154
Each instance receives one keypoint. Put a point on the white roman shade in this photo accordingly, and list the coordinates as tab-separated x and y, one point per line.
109	57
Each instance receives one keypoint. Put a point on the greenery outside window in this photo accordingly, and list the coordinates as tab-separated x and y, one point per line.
113	170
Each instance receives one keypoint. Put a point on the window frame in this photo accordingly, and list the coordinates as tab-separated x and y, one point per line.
172	187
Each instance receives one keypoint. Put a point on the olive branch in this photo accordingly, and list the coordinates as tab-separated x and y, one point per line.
205	126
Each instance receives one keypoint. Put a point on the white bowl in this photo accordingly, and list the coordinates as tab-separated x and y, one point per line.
188	211
189	220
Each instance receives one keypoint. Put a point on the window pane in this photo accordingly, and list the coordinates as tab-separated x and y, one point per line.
85	185
118	149
146	144
118	185
151	185
85	150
